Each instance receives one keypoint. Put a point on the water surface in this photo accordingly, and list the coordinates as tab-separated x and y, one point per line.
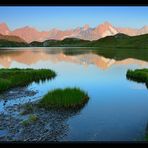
117	108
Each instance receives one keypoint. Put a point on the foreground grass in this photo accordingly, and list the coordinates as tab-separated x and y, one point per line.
138	75
10	78
64	98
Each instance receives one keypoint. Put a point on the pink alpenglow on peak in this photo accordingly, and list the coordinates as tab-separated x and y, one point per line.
30	34
85	27
4	29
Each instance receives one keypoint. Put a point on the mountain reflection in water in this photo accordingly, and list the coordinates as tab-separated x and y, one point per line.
29	57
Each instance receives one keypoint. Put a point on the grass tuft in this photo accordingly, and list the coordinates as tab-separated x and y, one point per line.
64	98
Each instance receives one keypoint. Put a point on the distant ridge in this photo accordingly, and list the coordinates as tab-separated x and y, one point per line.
12	41
119	40
12	38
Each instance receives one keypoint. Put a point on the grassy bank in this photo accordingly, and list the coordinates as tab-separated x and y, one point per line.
138	75
64	98
10	78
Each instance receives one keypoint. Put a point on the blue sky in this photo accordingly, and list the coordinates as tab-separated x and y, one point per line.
46	18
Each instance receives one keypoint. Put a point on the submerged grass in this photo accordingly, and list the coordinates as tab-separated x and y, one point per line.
10	78
138	75
64	98
27	109
31	119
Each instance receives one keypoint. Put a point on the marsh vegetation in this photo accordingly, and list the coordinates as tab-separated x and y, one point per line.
10	78
138	75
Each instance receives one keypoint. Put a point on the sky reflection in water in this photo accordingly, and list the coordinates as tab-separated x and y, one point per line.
117	109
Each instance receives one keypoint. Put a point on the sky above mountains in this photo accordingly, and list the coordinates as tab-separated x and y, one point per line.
46	18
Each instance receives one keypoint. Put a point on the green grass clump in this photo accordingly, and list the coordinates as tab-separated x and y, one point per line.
64	98
10	78
138	75
31	119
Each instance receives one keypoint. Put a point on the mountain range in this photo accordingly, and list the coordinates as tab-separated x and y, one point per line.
30	34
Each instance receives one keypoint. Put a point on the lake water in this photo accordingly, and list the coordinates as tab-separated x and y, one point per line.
117	109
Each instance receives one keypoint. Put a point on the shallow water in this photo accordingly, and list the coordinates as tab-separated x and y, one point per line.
117	108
